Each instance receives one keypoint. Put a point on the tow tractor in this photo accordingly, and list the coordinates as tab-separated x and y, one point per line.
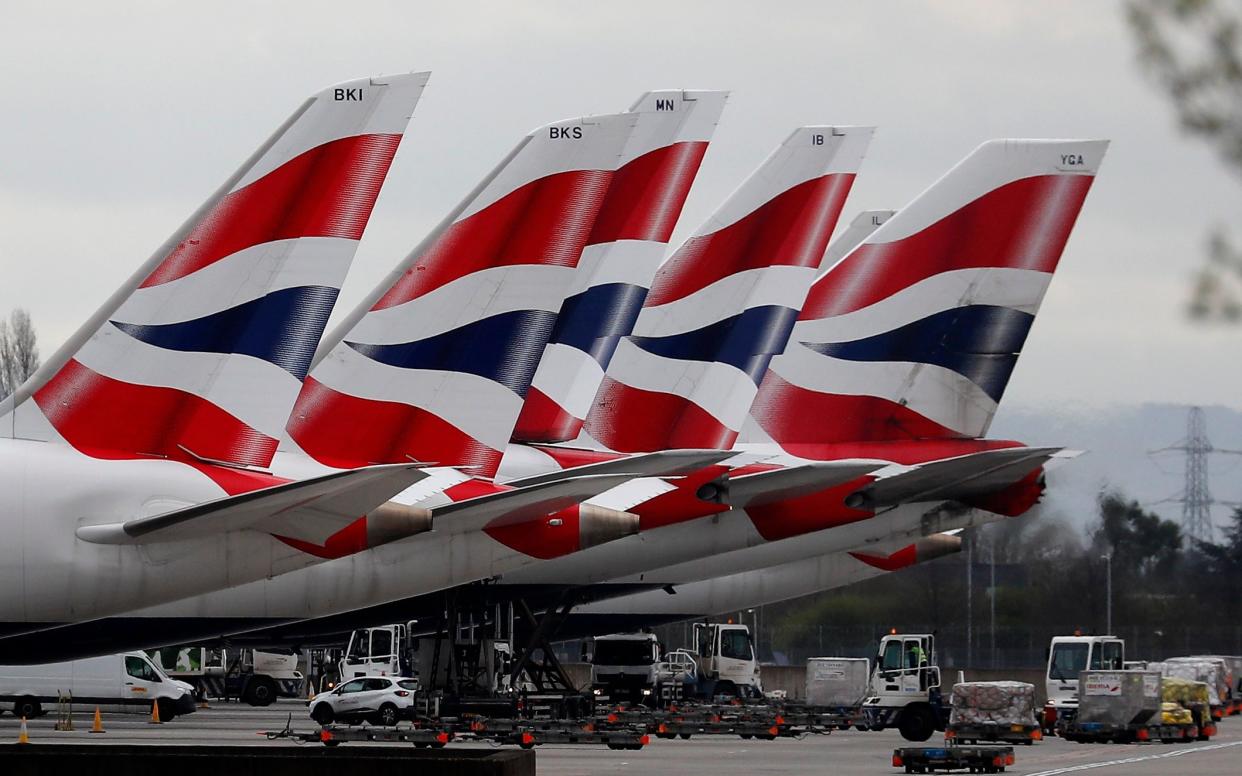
904	689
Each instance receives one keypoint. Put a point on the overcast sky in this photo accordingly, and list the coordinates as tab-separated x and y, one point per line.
119	118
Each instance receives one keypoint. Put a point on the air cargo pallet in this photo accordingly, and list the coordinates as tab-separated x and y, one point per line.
975	759
1010	734
1100	733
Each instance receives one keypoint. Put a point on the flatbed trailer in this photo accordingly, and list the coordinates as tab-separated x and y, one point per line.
975	759
335	735
1010	734
1101	733
747	720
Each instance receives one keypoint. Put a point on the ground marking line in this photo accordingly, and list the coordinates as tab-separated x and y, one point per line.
1130	760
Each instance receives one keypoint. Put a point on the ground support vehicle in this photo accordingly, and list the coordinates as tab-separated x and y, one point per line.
1012	734
976	759
905	688
624	667
250	675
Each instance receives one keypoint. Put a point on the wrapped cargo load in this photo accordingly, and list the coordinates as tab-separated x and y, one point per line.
1174	714
1118	698
1195	670
993	703
1234	677
1223	675
837	681
1190	695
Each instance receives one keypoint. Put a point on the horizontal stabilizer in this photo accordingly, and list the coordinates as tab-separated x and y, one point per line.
666	463
752	490
959	478
309	510
507	507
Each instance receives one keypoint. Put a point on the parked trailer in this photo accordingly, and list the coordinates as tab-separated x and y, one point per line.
976	759
994	732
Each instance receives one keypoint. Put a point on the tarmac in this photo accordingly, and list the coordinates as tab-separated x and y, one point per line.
841	752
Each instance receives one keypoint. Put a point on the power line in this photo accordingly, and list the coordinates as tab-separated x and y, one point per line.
1196	497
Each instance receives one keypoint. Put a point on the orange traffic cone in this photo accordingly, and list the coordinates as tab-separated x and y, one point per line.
22	736
98	726
155	713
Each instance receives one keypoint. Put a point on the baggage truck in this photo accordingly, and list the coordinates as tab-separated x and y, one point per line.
128	682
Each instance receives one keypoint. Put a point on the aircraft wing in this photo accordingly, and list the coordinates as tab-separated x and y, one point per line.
794	481
666	463
310	509
507	507
957	478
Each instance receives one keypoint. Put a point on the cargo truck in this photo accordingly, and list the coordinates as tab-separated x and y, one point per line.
1069	656
254	676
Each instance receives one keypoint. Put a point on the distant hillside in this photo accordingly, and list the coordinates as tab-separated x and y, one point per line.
1117	441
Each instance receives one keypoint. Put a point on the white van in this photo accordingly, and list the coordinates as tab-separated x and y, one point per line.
128	682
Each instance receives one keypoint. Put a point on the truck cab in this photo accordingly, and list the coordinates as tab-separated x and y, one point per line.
904	690
623	666
373	652
1069	655
727	664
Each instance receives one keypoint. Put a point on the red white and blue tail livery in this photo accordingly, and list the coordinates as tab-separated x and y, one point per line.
914	334
621	257
201	354
436	365
723	304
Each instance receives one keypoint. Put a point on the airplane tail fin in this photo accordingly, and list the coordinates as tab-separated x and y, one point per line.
723	304
201	354
434	365
914	334
621	258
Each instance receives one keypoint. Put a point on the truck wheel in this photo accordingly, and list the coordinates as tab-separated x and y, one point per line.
260	691
166	711
916	723
387	715
322	713
28	708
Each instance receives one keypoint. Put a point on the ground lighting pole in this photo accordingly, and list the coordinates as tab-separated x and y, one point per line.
1108	606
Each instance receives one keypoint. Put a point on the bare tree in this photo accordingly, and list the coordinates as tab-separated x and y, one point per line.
19	351
1193	50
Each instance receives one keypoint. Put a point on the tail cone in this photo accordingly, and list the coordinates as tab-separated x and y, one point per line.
600	525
